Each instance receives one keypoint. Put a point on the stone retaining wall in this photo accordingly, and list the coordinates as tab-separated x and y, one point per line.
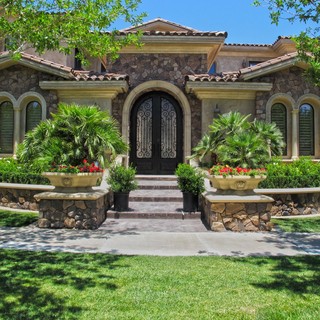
295	204
237	216
20	196
73	210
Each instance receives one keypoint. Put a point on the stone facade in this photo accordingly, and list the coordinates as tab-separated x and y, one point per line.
237	217
166	67
290	81
18	80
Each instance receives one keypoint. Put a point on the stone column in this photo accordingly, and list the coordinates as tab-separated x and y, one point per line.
295	129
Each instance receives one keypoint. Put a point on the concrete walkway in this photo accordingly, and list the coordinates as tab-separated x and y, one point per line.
160	237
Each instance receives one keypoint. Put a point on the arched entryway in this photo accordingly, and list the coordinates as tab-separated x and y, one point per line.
156	134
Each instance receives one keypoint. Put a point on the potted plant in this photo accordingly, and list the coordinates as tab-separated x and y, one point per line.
121	181
191	183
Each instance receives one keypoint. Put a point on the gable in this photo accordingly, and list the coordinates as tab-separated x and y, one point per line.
160	24
271	66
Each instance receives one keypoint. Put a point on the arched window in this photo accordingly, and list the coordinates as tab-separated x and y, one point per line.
279	117
6	127
33	115
306	130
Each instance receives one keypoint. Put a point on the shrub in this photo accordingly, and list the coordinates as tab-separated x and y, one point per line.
13	172
189	179
122	179
302	173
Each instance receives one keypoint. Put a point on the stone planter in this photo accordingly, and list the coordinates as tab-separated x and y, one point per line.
236	183
73	182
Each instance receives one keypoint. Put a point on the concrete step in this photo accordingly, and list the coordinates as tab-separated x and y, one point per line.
156	177
150	210
146	184
155	195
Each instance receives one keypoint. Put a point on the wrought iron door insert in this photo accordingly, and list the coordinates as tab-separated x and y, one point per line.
156	134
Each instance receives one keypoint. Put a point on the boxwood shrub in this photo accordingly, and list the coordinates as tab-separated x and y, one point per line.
302	173
13	172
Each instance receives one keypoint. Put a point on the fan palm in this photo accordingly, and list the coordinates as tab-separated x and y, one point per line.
74	133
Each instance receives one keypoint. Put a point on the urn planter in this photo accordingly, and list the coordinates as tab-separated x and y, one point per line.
73	182
236	184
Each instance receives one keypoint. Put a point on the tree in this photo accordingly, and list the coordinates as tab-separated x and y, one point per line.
308	42
64	25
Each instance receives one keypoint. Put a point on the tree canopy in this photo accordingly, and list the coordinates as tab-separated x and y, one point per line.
308	41
64	25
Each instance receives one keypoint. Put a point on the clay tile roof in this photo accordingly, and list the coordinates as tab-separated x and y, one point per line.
222	77
247	45
39	60
95	76
282	38
178	33
268	63
70	74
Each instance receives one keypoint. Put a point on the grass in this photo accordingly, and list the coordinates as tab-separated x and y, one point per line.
46	285
298	224
17	219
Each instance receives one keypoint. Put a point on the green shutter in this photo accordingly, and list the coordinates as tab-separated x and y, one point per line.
306	130
6	127
279	117
33	115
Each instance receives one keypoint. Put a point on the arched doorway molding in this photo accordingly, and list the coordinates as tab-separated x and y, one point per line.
175	92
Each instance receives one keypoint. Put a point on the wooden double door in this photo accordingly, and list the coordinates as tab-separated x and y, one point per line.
156	134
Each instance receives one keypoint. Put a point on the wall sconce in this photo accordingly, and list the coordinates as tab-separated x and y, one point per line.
216	112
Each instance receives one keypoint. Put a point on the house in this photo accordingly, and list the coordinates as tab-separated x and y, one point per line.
166	93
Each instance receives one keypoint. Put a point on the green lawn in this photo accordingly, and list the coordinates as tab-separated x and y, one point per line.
17	219
298	224
43	285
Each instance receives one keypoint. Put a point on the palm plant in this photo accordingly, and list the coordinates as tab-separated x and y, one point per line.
74	133
244	150
271	135
235	141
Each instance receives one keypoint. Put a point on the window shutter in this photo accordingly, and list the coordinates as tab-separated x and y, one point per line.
306	130
279	117
33	115
6	127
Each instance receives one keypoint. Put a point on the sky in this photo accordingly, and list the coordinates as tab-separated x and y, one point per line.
244	22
